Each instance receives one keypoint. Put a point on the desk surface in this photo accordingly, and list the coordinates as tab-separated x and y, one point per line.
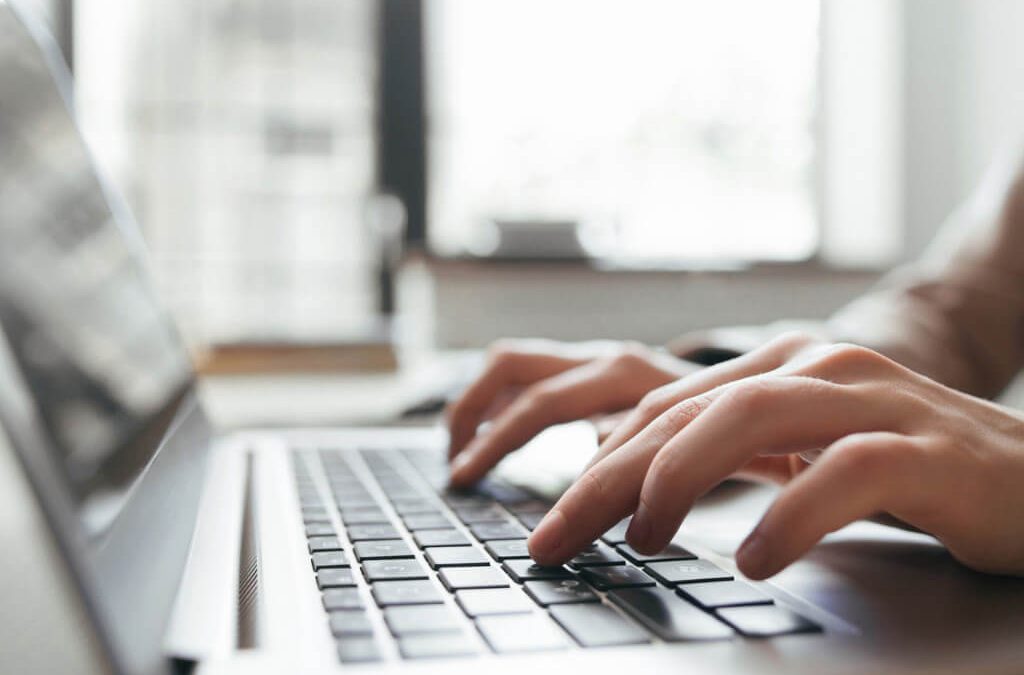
234	401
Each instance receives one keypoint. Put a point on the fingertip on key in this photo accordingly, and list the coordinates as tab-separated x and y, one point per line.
547	538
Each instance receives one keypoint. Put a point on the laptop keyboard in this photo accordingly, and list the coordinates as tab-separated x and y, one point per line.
449	573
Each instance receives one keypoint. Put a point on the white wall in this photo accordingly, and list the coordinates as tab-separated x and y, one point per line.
964	75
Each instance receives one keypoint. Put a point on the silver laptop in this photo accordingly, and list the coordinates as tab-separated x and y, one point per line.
135	540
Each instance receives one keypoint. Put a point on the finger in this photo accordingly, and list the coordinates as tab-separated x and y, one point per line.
507	368
765	415
857	477
769	357
578	393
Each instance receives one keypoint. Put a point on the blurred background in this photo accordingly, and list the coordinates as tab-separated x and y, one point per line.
645	167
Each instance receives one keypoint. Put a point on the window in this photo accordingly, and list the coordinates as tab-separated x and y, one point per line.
675	130
243	133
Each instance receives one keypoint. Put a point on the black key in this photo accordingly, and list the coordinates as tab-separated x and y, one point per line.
502	492
668	616
598	626
319	530
617	533
342	598
493	531
372	532
530	520
443	645
387	593
670	552
427	521
455	556
560	592
425	538
487	601
527	570
531	506
324	544
329	559
481	514
358	650
335	577
350	622
405	507
460	500
505	549
386	548
364	516
520	633
598	553
723	594
766	621
407	568
418	619
457	578
616	576
686	571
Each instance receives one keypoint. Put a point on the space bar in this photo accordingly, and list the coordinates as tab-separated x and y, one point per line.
668	616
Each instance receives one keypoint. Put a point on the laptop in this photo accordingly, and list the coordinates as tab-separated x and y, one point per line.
137	539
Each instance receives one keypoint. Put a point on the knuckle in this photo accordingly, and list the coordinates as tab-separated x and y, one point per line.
538	396
794	340
844	355
655	402
631	356
686	411
500	350
590	487
864	459
748	397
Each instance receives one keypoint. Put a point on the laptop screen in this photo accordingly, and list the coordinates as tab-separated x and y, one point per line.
103	362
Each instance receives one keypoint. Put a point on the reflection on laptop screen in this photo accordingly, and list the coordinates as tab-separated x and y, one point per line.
102	360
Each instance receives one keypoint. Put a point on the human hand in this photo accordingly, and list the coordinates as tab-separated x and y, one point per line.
529	385
894	441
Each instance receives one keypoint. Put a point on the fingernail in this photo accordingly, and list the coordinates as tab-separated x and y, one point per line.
549	535
639	531
752	555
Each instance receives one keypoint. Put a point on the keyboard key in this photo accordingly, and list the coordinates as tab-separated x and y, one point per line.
686	571
531	506
617	533
342	598
481	514
405	507
443	645
527	570
329	559
352	500
319	530
530	520
324	544
335	577
357	650
617	576
458	578
723	594
387	593
503	493
364	516
520	633
418	619
508	548
599	553
316	517
314	511
668	616
560	592
371	532
387	548
381	570
598	626
460	499
455	556
670	552
425	538
488	601
350	622
766	621
426	521
492	531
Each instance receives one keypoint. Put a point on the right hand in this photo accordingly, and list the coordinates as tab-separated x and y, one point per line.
529	385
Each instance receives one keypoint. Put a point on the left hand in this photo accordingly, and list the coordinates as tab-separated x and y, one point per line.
894	441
